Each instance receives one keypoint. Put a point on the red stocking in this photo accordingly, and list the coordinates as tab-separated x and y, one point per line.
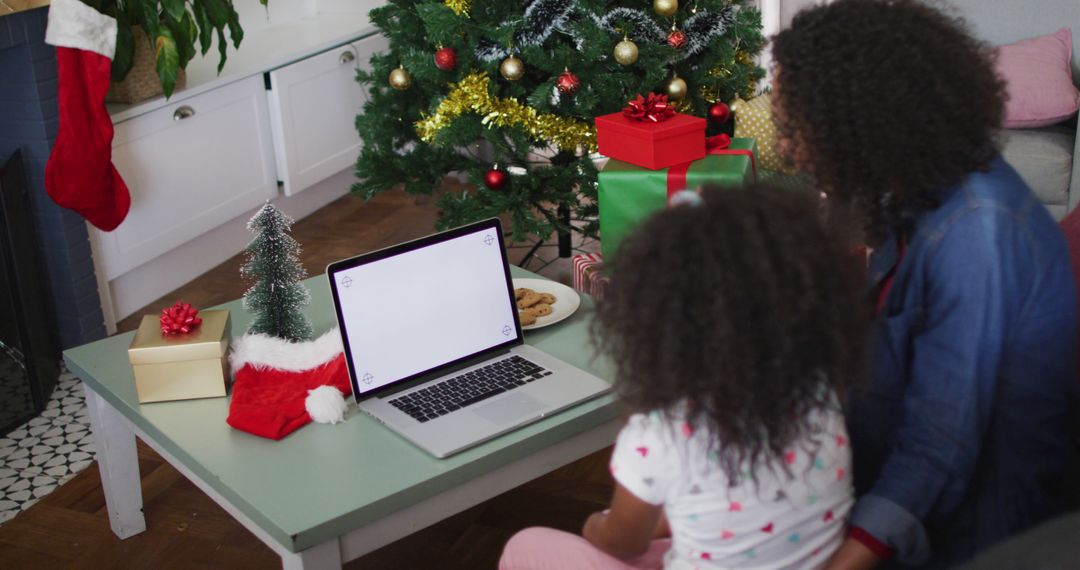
80	174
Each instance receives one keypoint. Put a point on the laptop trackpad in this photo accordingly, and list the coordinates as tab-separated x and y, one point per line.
511	409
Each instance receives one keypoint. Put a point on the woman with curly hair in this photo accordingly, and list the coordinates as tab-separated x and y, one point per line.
964	433
734	325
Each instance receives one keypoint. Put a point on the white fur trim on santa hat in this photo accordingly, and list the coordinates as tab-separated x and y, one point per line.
73	24
263	351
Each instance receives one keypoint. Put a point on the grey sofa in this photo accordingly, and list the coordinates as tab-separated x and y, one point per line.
1047	158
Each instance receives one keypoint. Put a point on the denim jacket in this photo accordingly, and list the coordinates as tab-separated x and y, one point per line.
964	434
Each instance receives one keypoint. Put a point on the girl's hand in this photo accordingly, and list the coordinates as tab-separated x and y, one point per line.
852	555
626	529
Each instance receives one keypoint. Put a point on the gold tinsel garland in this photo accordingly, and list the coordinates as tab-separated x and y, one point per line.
471	96
460	7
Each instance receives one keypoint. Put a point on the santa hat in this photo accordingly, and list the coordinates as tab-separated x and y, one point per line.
279	386
80	174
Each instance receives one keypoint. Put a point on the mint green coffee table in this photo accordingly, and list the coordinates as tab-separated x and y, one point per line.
326	494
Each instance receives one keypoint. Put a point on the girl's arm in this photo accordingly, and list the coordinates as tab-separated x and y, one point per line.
626	529
663	530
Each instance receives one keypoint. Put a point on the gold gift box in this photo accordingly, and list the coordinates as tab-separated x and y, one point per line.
180	367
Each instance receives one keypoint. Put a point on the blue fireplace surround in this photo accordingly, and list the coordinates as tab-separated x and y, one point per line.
28	121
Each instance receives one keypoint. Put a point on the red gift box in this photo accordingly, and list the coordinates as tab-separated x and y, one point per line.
652	145
589	275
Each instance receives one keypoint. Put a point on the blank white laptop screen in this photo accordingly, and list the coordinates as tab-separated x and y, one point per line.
418	310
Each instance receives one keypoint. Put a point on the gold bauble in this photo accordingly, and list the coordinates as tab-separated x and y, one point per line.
400	79
512	68
676	88
626	52
665	8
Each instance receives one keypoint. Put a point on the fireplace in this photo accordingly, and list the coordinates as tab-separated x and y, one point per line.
28	123
29	357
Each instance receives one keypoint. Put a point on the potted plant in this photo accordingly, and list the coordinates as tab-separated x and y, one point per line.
168	31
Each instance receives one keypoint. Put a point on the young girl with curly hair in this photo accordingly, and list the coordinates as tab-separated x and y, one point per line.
963	435
734	325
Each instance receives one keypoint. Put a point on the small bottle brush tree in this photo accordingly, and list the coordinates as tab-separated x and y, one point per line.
273	262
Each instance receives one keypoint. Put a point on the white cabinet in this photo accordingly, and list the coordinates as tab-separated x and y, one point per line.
311	102
200	164
190	166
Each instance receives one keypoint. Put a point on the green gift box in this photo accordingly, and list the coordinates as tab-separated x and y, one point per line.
629	193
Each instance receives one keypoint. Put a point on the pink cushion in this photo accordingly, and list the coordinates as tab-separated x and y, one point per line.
1039	78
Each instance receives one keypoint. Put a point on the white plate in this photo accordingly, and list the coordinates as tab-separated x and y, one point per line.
566	300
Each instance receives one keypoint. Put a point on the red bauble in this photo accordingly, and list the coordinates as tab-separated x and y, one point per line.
676	39
567	83
446	59
720	112
496	179
179	319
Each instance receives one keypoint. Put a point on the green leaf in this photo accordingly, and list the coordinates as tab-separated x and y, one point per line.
206	31
168	60
148	18
185	40
124	57
218	12
235	31
174	8
222	46
192	30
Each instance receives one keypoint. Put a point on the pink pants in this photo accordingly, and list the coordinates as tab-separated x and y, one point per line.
539	548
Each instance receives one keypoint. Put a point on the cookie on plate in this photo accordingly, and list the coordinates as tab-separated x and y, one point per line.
528	300
547	298
527	318
541	309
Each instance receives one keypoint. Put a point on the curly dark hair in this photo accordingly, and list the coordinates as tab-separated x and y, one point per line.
748	307
886	103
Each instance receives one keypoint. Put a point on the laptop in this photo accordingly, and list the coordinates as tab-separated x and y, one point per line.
434	346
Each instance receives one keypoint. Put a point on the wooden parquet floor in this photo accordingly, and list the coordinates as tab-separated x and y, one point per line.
187	530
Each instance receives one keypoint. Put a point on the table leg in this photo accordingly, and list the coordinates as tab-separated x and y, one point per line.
325	556
119	466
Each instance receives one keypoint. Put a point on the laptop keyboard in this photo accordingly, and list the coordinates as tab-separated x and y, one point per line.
469	388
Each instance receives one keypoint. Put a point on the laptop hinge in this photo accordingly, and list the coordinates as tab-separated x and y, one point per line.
441	372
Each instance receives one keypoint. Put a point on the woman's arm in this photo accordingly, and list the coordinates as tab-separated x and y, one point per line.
626	529
954	364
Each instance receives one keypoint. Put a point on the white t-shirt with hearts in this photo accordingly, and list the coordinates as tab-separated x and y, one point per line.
768	519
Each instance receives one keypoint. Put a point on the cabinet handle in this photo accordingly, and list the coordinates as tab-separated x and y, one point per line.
183	113
346	57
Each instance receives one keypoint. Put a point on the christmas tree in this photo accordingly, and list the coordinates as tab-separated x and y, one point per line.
507	94
272	261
